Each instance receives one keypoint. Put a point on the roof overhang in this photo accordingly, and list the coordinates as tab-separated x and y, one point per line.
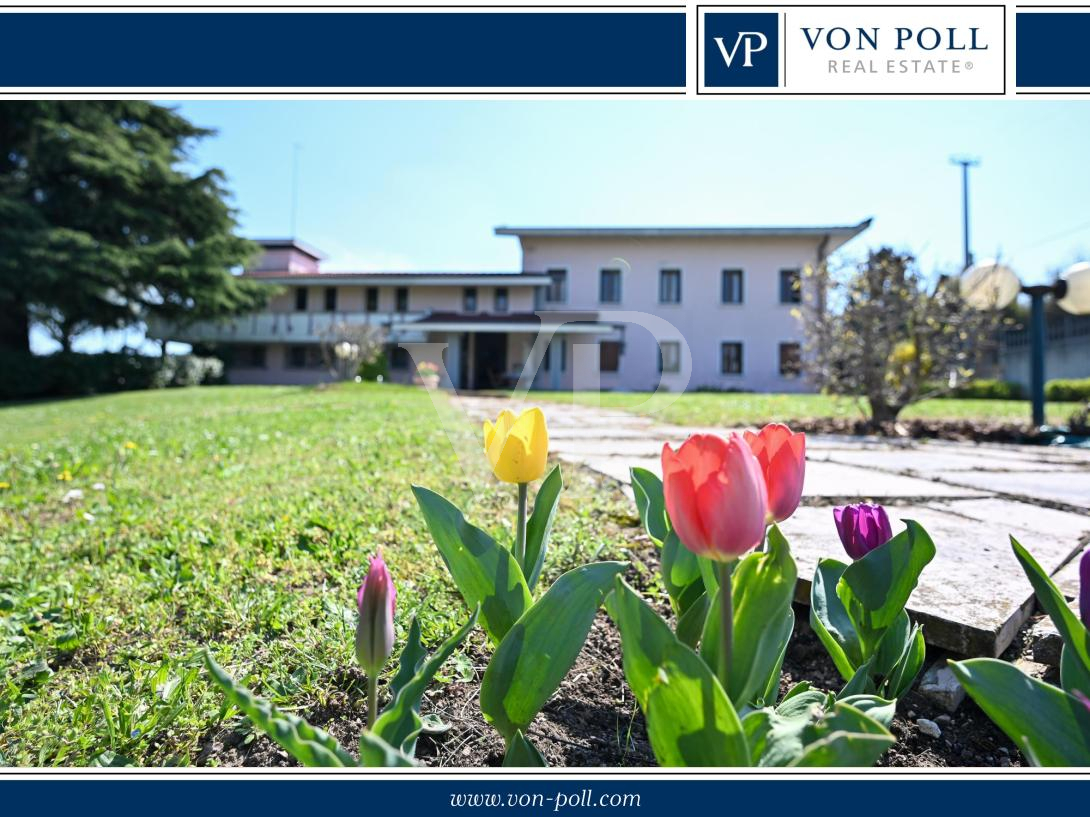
572	328
844	232
442	279
290	244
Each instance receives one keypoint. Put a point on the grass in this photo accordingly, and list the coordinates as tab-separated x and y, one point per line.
238	518
739	409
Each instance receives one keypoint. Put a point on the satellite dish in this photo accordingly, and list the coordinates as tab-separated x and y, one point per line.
1077	298
989	285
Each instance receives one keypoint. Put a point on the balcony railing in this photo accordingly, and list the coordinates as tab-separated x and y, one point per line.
272	327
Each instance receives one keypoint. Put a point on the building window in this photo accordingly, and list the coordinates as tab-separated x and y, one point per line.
669	356
609	356
790	360
300	299
402	299
372	299
670	286
251	357
399	357
557	291
297	357
501	299
790	286
469	299
732	287
730	358
609	286
330	299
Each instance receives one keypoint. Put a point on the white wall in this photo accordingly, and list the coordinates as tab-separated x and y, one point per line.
761	323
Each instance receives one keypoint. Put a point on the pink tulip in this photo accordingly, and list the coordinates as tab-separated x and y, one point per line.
375	630
715	496
782	455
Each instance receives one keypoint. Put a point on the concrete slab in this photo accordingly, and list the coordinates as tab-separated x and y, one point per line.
927	461
1069	488
972	598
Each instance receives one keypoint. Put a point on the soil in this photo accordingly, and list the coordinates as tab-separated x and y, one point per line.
593	720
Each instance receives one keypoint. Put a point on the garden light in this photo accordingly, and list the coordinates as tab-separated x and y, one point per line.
862	528
782	455
990	285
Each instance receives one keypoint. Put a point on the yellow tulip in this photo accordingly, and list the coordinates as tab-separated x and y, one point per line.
518	447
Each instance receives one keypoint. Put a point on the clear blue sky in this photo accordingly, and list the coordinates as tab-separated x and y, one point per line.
420	184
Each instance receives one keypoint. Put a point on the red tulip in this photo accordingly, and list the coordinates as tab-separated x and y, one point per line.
715	496
782	455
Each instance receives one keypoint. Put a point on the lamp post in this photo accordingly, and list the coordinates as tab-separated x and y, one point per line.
991	285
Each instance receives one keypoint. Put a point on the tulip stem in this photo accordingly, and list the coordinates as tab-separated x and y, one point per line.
372	699
520	530
726	623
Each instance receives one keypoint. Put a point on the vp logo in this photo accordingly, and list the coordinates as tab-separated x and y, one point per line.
754	41
741	49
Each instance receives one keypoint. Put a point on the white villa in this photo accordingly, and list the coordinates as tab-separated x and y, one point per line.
619	308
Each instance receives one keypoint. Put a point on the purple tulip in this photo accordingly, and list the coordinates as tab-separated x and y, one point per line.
375	630
862	528
1084	589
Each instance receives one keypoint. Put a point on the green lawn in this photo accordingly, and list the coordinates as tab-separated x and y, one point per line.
239	518
738	409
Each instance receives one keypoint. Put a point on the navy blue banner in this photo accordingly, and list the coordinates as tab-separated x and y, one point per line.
480	49
416	794
1051	49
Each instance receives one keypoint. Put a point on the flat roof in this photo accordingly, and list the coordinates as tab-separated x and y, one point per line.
844	230
290	244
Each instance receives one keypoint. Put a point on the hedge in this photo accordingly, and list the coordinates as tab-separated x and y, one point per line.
1068	390
71	374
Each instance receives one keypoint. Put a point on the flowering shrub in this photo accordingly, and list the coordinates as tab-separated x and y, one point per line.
1051	725
536	641
390	736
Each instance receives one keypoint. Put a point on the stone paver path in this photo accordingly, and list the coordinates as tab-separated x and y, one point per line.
974	597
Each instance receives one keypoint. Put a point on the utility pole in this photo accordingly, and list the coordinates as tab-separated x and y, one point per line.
965	163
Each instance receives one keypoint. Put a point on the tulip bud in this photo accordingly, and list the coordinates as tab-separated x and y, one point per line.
517	448
782	455
715	496
862	528
1084	589
375	630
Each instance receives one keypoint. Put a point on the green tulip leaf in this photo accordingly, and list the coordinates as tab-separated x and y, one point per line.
680	573
307	744
375	753
860	683
900	680
824	734
485	573
690	624
1050	726
537	652
651	504
830	620
540	525
876	588
772	691
881	710
763	586
400	723
412	656
690	720
522	753
1076	636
